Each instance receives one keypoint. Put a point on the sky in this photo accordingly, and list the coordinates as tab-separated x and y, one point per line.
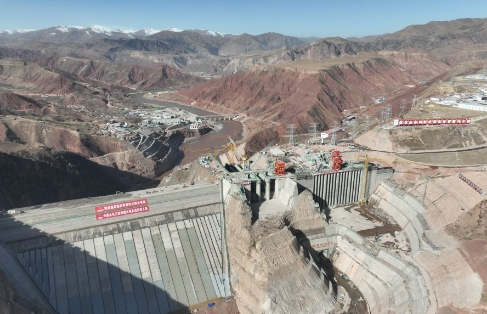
319	18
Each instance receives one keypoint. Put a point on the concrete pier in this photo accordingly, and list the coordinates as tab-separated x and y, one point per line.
267	190
258	191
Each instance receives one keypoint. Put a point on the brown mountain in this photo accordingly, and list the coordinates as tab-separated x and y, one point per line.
453	41
59	74
209	54
314	91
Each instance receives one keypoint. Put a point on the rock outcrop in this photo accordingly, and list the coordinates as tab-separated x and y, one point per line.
269	271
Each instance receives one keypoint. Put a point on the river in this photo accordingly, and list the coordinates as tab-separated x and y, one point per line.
191	151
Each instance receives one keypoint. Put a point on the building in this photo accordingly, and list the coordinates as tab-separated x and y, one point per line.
195	126
472	106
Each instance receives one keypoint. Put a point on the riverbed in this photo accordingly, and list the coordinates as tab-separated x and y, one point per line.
191	151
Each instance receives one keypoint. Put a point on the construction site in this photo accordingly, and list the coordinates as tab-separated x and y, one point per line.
353	221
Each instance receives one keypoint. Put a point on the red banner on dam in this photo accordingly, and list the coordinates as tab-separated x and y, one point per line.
124	212
413	122
121	205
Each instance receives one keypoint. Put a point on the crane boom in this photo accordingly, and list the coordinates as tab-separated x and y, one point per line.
237	154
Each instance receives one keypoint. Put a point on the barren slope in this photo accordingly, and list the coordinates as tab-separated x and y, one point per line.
19	74
132	76
313	91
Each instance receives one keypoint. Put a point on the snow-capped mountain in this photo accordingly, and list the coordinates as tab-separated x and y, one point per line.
17	31
65	33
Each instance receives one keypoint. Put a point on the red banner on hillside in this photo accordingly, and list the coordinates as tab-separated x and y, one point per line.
124	212
121	205
413	122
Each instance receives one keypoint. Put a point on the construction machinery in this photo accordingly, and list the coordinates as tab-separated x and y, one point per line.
230	146
336	160
243	158
280	168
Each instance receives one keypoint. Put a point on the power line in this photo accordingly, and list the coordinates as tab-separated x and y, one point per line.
314	127
403	107
334	134
367	123
414	102
291	128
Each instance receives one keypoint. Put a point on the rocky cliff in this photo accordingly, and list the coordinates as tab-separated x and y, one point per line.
269	271
29	76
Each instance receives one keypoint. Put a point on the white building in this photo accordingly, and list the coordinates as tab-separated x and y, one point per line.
471	106
195	126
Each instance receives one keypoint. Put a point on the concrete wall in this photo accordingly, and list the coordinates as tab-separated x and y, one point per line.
407	212
110	229
388	283
337	188
285	190
345	187
376	176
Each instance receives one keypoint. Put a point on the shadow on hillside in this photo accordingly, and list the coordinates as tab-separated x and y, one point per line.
321	261
32	179
99	274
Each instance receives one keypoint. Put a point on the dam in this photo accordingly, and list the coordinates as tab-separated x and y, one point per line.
167	258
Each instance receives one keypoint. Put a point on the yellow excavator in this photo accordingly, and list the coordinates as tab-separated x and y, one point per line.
243	158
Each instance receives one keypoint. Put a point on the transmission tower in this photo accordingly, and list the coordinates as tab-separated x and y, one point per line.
291	128
388	112
367	123
383	115
403	107
354	125
414	102
334	133
314	127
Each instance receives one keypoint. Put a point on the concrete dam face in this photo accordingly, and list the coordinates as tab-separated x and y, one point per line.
160	261
337	188
347	186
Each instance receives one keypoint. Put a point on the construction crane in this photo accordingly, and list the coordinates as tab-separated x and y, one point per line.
237	154
223	149
363	199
